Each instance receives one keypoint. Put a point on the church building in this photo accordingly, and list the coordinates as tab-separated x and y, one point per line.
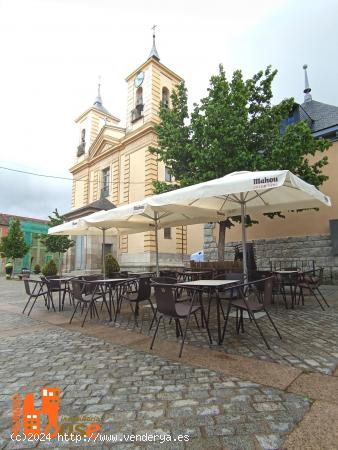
113	167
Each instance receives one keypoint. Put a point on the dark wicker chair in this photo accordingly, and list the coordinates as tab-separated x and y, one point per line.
225	293
134	296
168	273
249	302
168	307
61	288
35	289
164	280
310	281
79	287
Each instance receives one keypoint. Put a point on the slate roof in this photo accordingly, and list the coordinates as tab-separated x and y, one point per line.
98	105
99	205
318	115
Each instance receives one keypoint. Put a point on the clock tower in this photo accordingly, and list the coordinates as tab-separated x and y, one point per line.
115	164
148	86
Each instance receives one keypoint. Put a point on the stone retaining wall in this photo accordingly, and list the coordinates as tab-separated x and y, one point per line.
301	249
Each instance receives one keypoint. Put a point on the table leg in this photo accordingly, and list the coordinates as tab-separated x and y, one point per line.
218	320
109	302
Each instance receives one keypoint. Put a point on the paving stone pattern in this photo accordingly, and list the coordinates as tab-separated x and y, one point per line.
309	335
136	392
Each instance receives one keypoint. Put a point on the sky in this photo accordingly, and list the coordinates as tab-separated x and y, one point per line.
53	52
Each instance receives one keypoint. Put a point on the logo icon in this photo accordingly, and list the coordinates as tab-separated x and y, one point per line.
31	417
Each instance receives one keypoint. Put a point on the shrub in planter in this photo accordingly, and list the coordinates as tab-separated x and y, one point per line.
37	269
111	265
50	269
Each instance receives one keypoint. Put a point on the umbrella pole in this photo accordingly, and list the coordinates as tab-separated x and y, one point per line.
245	267
156	245
103	249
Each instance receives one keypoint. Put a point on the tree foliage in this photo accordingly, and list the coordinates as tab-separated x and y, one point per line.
57	244
234	128
13	245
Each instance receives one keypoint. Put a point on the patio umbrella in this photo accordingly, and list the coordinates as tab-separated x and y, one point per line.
143	216
79	227
240	193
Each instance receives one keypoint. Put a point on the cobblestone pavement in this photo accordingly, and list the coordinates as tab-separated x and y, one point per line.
136	392
310	335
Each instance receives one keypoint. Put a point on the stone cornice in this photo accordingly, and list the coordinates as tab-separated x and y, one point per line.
159	65
98	112
118	145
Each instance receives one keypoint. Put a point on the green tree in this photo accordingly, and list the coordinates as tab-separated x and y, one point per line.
13	245
57	244
235	127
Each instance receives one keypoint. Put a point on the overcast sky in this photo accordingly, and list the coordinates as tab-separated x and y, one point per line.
53	51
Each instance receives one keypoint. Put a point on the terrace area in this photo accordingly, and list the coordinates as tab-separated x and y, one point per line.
238	395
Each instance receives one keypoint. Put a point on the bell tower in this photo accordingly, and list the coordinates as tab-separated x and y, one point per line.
91	122
148	86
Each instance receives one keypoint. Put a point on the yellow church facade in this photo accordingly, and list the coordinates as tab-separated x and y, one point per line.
113	163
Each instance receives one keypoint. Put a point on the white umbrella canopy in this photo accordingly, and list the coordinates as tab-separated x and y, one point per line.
79	227
240	193
142	216
264	191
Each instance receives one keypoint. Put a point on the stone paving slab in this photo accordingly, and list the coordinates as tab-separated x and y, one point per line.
136	392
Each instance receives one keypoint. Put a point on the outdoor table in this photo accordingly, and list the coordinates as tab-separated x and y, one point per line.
107	284
61	281
288	278
212	285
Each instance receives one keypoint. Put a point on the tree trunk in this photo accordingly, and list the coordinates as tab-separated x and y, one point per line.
60	265
221	240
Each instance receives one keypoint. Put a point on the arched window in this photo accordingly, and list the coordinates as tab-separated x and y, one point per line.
82	146
137	112
165	97
139	99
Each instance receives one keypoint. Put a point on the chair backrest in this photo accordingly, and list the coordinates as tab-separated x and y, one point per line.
77	288
88	288
168	273
91	277
144	288
165	296
235	276
27	286
221	276
164	280
124	274
51	281
268	291
206	275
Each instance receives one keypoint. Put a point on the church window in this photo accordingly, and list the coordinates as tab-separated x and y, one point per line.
139	99
105	181
82	146
165	97
167	233
167	174
137	113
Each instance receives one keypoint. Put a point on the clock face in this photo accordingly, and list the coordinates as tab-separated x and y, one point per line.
139	79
